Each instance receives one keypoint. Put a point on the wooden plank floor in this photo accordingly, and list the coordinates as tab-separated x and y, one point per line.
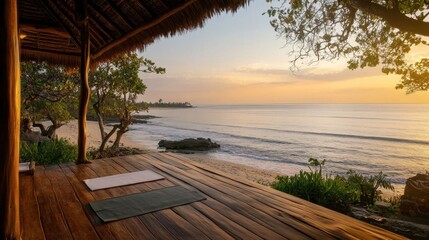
54	205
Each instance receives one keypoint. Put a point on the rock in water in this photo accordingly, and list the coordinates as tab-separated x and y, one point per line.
415	201
200	144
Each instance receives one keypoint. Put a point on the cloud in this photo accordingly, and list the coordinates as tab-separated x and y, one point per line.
342	74
261	68
327	73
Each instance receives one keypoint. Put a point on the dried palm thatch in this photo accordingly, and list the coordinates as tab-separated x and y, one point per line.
50	31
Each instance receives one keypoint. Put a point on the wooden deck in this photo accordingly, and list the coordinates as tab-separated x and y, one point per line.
54	205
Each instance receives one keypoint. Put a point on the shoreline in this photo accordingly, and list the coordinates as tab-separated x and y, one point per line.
70	132
93	138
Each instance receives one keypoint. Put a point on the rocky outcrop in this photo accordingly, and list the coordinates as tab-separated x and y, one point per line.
199	144
412	230
415	201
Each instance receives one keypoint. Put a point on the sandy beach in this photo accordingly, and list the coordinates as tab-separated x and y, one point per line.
70	130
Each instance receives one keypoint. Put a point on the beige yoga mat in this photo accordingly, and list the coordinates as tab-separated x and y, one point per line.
25	166
122	179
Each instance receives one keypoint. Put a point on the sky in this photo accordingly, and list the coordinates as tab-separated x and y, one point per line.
239	59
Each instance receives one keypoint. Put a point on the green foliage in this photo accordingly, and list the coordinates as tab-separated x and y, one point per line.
368	187
27	152
48	152
115	86
313	186
334	192
48	93
367	33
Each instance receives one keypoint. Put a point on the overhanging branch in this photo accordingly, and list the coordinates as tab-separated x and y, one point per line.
393	17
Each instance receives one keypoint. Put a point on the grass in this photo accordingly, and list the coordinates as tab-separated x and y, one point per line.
49	152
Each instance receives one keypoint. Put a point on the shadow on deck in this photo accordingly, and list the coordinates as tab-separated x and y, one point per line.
54	205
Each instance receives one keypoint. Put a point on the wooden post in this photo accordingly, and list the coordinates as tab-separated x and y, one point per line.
82	16
10	104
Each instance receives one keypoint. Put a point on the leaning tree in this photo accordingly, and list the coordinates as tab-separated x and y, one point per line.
115	86
48	93
367	33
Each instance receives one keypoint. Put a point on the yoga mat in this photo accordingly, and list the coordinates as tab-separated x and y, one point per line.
25	166
122	179
140	203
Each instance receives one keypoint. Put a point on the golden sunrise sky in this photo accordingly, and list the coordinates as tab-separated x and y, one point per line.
238	59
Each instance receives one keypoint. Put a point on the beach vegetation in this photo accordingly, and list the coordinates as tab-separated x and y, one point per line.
48	152
368	187
366	33
115	86
336	192
317	187
51	102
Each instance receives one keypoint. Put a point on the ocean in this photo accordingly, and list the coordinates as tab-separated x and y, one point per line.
368	138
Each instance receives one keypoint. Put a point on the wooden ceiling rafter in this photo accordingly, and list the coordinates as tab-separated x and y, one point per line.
100	13
34	29
143	27
96	40
47	43
115	8
77	54
52	13
164	4
97	24
142	6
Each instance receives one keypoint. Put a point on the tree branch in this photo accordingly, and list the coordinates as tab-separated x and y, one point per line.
393	17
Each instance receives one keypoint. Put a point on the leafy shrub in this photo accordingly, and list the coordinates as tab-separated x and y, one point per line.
27	151
368	187
331	192
49	152
337	193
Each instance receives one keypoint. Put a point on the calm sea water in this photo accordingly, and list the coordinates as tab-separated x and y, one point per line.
366	138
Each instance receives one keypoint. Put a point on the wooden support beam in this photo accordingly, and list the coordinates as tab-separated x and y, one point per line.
51	30
41	51
141	28
10	105
83	19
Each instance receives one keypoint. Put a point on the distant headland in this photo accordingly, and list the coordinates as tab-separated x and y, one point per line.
162	104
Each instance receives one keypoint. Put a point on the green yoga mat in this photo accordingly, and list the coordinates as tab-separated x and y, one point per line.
140	203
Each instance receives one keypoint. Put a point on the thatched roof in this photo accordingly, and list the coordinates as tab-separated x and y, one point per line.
50	31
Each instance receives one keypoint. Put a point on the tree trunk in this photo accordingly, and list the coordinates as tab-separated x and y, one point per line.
118	138
51	133
26	125
10	104
126	121
82	16
42	128
100	120
106	138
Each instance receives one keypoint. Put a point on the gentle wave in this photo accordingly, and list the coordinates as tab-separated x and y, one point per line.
372	118
228	135
376	138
